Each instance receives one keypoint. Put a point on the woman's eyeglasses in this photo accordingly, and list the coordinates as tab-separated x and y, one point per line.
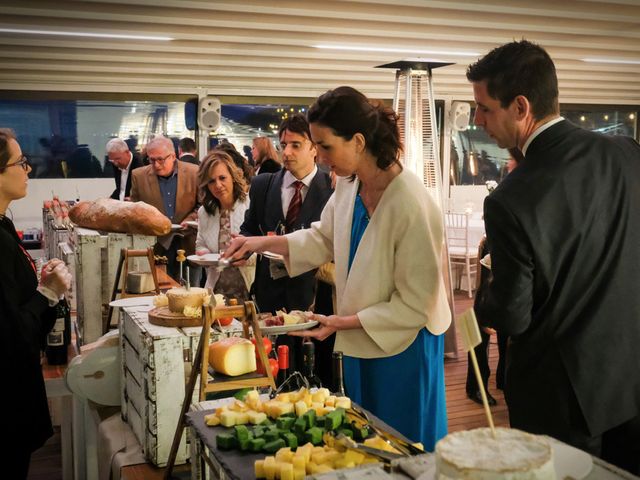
23	162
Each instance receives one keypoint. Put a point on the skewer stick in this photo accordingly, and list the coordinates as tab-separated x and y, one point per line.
470	333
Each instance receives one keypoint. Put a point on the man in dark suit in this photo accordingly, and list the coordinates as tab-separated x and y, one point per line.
125	161
564	237
187	151
282	202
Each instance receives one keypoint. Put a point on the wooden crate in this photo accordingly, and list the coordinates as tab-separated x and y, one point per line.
156	362
96	261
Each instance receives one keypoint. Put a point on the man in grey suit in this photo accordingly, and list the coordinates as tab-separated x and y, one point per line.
564	236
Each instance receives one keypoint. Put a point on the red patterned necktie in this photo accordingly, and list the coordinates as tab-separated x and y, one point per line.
294	206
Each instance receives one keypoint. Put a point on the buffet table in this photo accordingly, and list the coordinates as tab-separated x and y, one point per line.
237	465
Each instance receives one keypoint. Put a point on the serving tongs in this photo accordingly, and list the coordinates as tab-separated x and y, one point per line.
384	455
360	417
231	262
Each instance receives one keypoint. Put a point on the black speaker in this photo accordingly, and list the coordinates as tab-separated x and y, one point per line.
191	114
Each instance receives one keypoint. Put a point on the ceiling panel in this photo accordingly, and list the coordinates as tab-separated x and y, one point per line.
269	48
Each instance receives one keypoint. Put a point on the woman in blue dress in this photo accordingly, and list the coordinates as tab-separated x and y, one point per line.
385	234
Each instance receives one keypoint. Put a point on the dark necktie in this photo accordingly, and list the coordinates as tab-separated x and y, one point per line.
294	206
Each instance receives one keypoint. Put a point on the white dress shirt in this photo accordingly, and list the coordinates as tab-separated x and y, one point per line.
124	175
289	189
538	131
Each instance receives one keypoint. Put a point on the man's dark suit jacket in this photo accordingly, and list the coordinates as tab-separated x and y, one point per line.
265	215
187	157
564	235
135	163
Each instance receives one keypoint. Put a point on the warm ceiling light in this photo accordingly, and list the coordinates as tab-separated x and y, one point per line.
631	116
83	34
456	53
582	118
606	117
629	61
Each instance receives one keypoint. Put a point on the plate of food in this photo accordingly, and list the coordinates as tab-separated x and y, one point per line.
206	260
146	301
283	322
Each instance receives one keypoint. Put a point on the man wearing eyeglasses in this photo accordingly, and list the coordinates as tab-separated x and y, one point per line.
124	162
170	186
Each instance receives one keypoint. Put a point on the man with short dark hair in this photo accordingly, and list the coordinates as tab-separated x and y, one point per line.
564	236
282	202
187	151
125	161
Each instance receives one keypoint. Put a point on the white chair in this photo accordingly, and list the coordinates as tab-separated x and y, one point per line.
461	251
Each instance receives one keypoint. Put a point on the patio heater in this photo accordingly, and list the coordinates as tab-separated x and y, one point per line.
414	103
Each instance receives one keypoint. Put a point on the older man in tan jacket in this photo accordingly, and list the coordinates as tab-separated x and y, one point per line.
171	186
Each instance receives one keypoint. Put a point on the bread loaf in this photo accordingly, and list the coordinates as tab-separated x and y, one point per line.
110	215
232	356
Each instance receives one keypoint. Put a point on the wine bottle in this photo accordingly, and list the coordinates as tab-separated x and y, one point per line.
59	337
283	364
308	364
338	374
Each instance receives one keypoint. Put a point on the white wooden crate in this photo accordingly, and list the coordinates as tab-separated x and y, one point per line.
96	261
156	362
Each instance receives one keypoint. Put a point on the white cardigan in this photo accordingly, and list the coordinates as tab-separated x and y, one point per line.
395	284
207	239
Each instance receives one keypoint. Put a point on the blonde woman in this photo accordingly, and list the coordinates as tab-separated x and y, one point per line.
223	192
265	156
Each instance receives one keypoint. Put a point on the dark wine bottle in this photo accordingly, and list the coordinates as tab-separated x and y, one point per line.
338	374
308	364
59	337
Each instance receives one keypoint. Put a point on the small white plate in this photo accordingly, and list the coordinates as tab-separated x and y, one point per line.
191	223
175	227
273	256
146	301
486	261
206	260
278	329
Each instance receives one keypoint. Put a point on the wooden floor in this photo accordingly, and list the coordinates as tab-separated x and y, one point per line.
462	413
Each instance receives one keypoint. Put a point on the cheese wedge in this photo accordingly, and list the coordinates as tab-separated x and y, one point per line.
232	356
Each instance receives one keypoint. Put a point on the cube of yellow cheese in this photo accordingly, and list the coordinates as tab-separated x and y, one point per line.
252	397
284	455
299	474
330	401
320	395
318	407
259	468
299	461
212	420
286	471
343	402
284	397
269	468
256	418
228	418
301	408
351	456
242	418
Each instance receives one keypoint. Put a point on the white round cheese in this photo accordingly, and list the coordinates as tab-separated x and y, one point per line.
181	297
512	455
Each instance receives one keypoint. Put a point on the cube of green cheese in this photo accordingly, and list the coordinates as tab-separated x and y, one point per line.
332	420
310	417
243	443
273	447
290	439
226	441
271	435
256	444
347	432
314	435
300	426
242	432
257	431
285	423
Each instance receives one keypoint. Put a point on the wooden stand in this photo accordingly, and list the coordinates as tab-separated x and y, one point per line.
247	314
125	255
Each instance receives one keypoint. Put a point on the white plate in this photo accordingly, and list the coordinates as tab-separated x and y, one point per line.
175	227
191	223
206	260
273	256
278	329
569	461
146	301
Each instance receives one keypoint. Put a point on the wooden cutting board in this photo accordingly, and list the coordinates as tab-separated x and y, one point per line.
166	318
